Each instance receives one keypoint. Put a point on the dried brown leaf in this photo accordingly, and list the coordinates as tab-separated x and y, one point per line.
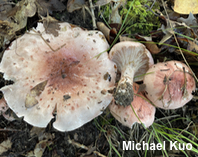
5	146
75	5
45	6
192	46
152	47
15	19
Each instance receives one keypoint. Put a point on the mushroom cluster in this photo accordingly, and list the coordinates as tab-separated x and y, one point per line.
167	85
67	73
59	74
129	104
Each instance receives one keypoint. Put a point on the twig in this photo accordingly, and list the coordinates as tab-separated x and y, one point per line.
47	42
7	129
92	14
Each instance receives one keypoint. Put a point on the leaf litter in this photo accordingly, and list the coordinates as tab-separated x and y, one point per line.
19	138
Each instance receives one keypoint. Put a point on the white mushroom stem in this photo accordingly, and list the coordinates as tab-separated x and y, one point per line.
125	85
132	60
124	88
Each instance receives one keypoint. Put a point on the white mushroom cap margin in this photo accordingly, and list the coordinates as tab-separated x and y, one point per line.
68	80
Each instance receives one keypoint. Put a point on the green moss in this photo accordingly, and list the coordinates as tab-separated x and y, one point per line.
140	18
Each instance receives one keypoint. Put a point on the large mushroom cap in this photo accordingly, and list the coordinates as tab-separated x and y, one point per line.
58	74
169	85
144	111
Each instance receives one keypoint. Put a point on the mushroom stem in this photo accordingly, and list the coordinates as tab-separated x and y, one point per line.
132	60
124	91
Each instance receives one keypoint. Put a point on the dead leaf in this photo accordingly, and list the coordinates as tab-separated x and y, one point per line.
5	7
123	38
45	139
75	5
37	131
39	148
51	25
115	16
31	100
5	146
169	28
15	19
190	21
104	2
185	7
45	6
150	45
110	34
192	46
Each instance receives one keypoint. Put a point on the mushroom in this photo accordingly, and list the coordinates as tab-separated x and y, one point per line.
60	74
133	60
169	85
140	110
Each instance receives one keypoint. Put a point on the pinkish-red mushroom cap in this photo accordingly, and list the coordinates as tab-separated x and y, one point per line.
144	111
59	75
169	85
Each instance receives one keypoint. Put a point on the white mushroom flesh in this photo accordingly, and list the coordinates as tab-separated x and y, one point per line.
69	79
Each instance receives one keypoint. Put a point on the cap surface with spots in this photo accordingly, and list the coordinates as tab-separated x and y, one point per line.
58	74
144	111
169	85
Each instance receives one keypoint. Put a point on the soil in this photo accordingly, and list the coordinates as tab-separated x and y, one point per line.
102	136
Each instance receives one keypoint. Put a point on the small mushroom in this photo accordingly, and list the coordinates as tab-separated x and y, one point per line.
169	85
133	60
140	110
60	75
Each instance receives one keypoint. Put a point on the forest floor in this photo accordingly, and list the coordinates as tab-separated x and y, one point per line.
102	136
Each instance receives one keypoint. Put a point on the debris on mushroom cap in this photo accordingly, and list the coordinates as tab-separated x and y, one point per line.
59	75
132	59
143	109
169	85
